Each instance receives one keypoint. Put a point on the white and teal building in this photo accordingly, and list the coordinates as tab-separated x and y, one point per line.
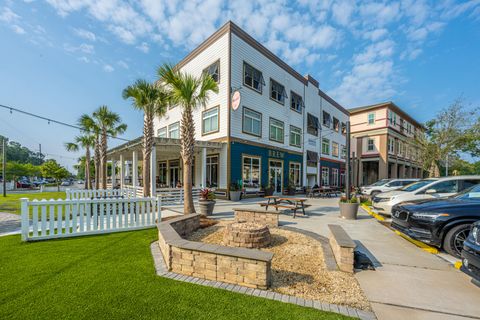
268	124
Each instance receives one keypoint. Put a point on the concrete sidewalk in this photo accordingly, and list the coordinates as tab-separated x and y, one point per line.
9	223
408	283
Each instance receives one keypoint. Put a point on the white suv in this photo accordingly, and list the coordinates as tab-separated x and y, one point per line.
385	185
431	188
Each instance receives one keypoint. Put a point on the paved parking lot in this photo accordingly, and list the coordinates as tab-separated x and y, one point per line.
408	283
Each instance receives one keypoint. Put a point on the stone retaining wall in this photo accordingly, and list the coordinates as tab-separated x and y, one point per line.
343	247
261	216
246	267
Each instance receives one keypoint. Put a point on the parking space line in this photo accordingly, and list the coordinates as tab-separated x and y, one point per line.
419	244
373	214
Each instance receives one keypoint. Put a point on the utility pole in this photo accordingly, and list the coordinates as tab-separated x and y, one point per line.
4	167
40	149
446	167
348	164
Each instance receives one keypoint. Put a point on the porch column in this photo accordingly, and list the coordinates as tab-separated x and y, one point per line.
153	172
134	168
113	176
203	164
122	172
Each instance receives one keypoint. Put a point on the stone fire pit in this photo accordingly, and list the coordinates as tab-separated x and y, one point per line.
247	235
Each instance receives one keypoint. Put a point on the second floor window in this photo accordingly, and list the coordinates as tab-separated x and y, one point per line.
214	71
370	145
252	122
343	128
295	136
277	91
210	120
252	77
334	149
325	146
174	130
336	124
343	154
296	102
371	118
162	132
276	130
326	119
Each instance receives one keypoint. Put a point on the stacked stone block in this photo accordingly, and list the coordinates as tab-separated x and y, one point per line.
342	247
261	216
246	235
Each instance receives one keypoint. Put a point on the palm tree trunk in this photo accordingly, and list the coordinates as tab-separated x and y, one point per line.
187	135
96	159
103	159
147	152
88	181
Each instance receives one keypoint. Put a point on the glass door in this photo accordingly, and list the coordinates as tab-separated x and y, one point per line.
276	176
174	173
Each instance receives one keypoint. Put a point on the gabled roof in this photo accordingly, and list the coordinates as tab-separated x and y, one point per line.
388	104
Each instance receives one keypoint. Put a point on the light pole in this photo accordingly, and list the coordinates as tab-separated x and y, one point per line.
348	164
4	167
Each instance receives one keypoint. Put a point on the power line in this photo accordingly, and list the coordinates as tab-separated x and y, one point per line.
52	120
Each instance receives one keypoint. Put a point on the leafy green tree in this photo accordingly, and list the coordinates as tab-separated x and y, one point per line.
189	92
152	100
109	124
18	153
51	169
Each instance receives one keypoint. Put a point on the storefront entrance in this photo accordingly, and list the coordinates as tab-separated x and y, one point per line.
276	176
174	173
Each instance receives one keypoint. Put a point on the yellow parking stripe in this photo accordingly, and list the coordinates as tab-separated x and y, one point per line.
373	214
419	244
458	264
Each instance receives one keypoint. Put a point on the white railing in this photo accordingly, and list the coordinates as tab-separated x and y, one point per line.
175	196
100	193
138	191
78	217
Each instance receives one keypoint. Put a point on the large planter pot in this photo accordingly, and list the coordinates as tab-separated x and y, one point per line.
206	207
349	211
235	195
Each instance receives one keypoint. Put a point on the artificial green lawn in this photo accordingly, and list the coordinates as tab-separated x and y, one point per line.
113	276
11	203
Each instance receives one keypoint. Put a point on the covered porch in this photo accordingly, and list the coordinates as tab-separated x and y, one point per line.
208	169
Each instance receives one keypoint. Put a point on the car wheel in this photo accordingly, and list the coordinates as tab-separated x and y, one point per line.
374	193
453	242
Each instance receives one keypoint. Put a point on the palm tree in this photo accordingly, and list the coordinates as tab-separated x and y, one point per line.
84	141
88	124
152	100
189	92
108	123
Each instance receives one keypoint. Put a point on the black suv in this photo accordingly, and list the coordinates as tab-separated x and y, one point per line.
444	223
471	252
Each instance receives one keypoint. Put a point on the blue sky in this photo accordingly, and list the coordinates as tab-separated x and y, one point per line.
62	58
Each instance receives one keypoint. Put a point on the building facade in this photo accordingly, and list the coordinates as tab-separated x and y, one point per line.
280	130
383	143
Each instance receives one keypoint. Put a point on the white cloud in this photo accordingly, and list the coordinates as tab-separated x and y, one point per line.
375	34
122	64
108	68
8	16
17	29
83	48
342	12
85	34
144	47
84	59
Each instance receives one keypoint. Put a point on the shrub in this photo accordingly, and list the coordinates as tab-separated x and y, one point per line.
344	199
207	194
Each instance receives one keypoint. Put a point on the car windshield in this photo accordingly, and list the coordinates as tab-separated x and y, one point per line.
416	185
380	182
472	193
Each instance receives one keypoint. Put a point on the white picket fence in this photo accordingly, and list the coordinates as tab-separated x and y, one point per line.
100	193
138	191
175	196
78	217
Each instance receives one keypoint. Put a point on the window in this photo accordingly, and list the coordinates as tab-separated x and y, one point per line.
295	136
295	173
252	122
277	91
370	145
252	77
325	146
296	102
344	129
312	158
326	119
445	187
162	132
371	118
212	171
390	117
174	130
334	149
334	177
210	120
251	172
276	130
399	148
162	174
391	145
336	124
343	154
214	71
312	124
325	177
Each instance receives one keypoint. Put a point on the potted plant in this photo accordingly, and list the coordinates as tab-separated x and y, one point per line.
349	208
206	201
235	191
291	189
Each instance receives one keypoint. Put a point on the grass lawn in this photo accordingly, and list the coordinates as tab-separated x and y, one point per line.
113	276
11	203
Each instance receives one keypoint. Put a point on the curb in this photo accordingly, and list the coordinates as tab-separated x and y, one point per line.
421	245
373	214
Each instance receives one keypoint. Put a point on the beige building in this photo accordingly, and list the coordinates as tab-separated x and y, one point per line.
383	143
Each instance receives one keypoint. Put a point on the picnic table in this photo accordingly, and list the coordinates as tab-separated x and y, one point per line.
285	203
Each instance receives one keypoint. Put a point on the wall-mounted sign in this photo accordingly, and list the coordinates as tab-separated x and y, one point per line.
276	154
236	100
